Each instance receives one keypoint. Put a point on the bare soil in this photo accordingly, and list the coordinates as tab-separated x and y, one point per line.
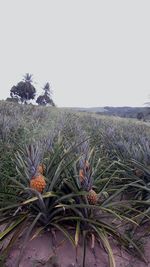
49	250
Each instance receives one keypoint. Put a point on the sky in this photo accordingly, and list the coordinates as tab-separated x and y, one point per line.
93	52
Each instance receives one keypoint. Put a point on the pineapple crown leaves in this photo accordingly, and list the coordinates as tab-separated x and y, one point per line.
28	159
85	174
33	156
88	167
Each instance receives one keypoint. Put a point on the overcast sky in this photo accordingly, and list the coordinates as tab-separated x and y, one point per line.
94	52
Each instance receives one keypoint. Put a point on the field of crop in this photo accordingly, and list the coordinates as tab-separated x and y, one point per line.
87	176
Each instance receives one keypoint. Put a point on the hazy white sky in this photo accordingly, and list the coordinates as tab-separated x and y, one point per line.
94	52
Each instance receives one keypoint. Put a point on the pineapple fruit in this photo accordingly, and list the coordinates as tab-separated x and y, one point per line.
92	197
36	169
38	183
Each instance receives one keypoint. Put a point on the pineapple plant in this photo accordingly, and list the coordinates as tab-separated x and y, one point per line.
34	169
85	176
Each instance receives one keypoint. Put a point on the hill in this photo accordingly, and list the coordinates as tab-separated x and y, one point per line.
124	112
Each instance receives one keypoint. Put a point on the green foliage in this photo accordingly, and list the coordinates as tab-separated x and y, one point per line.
117	152
24	90
46	98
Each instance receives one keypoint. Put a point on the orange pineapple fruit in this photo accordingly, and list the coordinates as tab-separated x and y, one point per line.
38	183
92	197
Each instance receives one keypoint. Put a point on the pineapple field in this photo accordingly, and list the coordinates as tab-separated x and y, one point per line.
81	179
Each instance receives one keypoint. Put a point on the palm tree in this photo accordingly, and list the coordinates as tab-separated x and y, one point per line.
45	99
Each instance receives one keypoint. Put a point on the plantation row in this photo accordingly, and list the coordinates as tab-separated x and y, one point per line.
62	170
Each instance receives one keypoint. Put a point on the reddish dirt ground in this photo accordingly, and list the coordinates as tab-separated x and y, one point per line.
44	251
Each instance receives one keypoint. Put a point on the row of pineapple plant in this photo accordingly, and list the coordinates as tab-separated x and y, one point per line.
116	139
120	167
62	186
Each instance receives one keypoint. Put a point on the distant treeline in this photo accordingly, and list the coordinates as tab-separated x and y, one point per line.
141	113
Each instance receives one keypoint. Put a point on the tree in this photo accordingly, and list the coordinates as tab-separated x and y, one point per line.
45	98
24	90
